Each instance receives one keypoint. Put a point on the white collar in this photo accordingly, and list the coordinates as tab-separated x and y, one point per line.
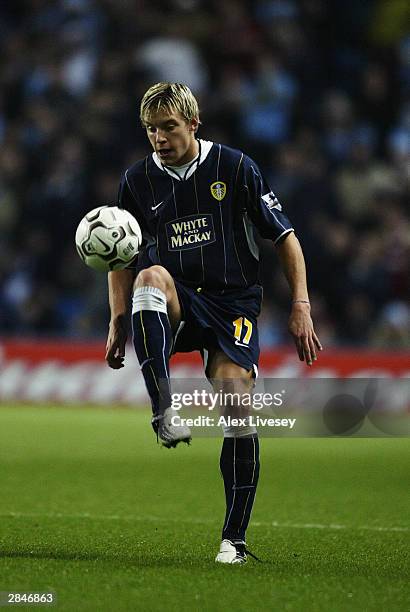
179	171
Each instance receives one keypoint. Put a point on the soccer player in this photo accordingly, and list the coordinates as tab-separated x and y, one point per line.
196	287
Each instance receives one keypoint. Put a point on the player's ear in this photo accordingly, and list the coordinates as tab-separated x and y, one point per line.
194	124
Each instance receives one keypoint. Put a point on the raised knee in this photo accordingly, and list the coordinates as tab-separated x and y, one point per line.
154	276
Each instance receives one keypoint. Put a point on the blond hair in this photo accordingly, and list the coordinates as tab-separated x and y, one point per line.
168	97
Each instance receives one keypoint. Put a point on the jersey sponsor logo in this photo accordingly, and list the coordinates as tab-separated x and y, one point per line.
218	190
190	232
271	201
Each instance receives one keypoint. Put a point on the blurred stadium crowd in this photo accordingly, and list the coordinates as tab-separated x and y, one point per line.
317	91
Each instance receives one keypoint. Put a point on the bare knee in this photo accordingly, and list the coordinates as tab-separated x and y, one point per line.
228	377
238	385
155	276
160	278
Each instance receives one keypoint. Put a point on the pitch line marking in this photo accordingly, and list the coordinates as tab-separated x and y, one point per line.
160	519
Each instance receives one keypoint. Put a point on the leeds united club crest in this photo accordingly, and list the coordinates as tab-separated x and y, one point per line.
218	190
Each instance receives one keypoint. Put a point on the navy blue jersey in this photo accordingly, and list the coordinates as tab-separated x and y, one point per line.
201	227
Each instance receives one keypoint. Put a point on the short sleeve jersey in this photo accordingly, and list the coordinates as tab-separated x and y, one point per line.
202	226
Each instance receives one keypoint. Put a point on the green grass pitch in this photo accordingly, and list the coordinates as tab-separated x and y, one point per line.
92	509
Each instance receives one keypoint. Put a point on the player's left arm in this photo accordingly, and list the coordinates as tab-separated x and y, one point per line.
300	321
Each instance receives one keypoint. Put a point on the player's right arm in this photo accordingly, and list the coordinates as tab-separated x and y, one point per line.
119	291
120	284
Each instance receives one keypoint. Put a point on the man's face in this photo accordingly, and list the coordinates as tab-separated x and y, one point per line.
173	138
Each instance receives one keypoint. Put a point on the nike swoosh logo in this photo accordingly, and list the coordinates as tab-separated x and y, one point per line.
241	344
156	206
144	363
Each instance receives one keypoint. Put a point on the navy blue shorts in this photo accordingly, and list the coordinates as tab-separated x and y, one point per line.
225	320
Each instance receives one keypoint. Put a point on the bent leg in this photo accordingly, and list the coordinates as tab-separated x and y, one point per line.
155	313
159	278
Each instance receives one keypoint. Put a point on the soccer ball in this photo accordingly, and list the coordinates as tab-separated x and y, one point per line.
108	238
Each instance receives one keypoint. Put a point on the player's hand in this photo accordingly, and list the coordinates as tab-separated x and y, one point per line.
115	348
301	328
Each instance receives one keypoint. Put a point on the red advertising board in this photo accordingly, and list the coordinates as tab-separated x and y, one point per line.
66	371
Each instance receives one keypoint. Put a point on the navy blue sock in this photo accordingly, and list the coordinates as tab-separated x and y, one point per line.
240	471
152	337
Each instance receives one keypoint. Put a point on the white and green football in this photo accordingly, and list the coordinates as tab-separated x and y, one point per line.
108	238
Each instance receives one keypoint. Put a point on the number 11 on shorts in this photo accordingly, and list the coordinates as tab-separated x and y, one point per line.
239	325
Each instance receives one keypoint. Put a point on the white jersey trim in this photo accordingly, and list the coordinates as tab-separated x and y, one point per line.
288	231
206	146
